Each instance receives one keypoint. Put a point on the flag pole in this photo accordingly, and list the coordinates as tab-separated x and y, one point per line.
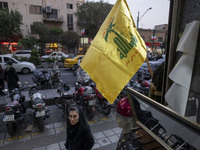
151	72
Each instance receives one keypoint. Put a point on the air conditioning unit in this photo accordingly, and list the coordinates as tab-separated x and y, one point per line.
48	9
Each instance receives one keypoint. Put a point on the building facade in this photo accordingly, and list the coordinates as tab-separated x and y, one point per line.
53	13
156	37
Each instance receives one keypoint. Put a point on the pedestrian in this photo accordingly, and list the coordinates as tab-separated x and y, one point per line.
79	136
11	76
1	80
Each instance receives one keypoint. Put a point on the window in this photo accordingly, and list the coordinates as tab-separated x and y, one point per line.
160	39
3	5
69	6
6	60
70	21
35	9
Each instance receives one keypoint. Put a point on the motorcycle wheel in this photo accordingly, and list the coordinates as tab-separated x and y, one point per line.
58	102
11	128
105	107
40	123
89	112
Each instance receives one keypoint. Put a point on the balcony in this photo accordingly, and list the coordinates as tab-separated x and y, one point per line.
52	18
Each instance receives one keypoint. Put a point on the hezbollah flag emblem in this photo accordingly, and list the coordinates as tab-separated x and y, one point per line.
116	52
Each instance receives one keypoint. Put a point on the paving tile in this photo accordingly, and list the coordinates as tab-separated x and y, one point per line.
48	132
119	134
104	141
62	145
58	124
98	135
40	148
53	147
99	122
108	132
60	130
117	130
49	126
96	145
113	138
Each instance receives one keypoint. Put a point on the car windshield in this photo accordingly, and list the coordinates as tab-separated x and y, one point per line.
75	57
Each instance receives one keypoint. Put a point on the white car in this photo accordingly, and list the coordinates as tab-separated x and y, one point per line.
56	55
23	67
22	53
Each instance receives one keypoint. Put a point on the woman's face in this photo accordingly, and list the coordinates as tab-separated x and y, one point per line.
73	117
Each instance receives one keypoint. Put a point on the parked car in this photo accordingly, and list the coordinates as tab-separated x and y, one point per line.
69	63
23	67
22	53
56	55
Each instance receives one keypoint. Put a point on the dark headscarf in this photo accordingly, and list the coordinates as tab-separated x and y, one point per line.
75	132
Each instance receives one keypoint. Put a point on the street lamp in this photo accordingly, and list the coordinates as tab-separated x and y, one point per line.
139	18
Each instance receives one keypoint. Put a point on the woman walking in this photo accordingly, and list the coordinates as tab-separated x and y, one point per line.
79	136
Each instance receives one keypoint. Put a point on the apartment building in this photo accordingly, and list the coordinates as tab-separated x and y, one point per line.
53	13
154	37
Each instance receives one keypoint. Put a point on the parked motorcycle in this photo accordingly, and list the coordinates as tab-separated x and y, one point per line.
38	106
44	79
85	97
140	85
14	110
64	100
102	104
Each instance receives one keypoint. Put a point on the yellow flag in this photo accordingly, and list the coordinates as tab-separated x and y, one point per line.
116	53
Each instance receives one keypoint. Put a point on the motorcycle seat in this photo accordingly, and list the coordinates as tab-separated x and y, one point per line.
13	104
38	100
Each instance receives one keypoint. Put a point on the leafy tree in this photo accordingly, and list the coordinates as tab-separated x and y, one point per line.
56	32
35	59
91	15
28	43
10	23
70	39
43	32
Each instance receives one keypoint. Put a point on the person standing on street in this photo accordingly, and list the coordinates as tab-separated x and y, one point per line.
79	136
11	77
1	80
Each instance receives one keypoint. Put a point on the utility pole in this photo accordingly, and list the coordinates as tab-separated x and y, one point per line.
139	18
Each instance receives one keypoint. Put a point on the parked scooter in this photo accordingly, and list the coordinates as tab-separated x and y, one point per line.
140	85
44	79
38	106
102	104
85	97
14	110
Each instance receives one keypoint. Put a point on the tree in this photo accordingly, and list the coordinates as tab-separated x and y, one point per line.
10	23
56	32
91	15
29	42
70	39
43	32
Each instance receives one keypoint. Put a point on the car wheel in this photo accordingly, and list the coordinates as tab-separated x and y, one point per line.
25	70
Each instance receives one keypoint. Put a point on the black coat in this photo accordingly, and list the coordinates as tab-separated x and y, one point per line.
11	78
79	136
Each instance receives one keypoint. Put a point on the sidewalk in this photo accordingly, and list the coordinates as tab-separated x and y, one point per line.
49	95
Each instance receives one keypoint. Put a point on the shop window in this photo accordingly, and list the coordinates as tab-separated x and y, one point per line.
70	21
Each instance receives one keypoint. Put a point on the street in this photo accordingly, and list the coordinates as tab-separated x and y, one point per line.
104	128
